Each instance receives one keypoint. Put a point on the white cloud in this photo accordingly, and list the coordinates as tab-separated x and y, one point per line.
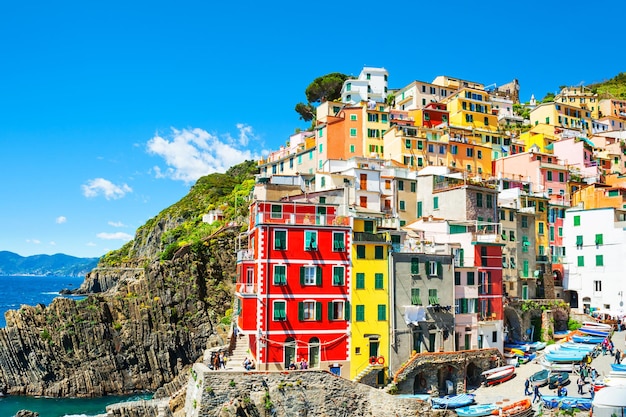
98	186
35	241
116	224
115	236
52	243
61	219
191	153
91	244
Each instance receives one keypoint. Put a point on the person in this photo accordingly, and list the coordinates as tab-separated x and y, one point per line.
247	363
527	387
216	362
222	361
617	355
611	346
537	394
558	391
581	384
563	391
304	364
292	366
604	347
594	374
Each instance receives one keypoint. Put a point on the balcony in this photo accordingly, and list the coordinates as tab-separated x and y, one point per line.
542	259
245	255
369	237
245	288
302	219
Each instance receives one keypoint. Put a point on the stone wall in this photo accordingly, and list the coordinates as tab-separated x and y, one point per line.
293	393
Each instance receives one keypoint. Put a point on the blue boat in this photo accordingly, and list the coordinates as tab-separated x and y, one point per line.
618	367
583	347
452	401
587	339
570	356
567	403
477	410
593	332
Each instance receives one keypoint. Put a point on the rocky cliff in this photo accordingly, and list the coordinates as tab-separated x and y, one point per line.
142	323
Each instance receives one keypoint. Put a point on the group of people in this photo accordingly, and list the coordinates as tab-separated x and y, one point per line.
218	360
248	364
303	365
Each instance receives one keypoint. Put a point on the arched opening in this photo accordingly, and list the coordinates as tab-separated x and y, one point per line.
420	384
445	379
473	378
314	352
290	352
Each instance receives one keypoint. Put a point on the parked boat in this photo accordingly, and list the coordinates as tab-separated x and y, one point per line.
567	403
586	347
566	356
477	410
540	378
594	332
514	409
561	334
618	367
495	370
558	379
554	366
452	401
602	326
612	381
499	377
587	339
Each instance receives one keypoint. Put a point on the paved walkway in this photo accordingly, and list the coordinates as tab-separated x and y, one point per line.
513	390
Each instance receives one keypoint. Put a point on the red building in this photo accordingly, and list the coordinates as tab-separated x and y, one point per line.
489	271
293	285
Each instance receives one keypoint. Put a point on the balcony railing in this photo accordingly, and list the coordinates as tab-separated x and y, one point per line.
245	255
244	288
368	237
302	219
542	259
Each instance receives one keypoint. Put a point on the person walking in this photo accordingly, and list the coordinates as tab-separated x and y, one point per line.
617	355
581	384
537	394
527	387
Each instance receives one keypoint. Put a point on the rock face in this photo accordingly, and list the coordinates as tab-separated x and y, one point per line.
141	326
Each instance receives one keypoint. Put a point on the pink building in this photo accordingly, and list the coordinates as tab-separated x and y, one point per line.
578	154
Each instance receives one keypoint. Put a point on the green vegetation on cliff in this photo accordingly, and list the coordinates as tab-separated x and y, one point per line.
227	192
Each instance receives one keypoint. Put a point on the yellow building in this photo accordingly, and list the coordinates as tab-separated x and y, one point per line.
542	136
562	115
598	195
581	97
370	301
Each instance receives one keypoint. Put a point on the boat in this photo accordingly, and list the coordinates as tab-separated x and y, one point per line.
561	334
558	379
495	370
539	345
586	347
587	339
618	367
566	403
476	410
498	377
594	332
598	325
554	366
613	381
452	401
565	356
514	409
540	378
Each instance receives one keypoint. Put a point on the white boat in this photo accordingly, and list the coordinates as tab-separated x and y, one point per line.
562	367
498	369
600	326
612	381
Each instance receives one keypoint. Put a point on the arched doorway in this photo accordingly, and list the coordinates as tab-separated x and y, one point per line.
420	384
314	352
445	374
290	351
472	376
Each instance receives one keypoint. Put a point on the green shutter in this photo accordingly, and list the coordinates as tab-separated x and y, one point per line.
330	311
579	240
419	209
378	281
415	266
576	220
360	280
439	269
318	276
302	275
382	312
360	313
301	311
415	297
599	239
318	311
461	257
347	310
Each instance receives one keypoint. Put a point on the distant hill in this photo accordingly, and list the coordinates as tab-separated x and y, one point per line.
613	88
44	265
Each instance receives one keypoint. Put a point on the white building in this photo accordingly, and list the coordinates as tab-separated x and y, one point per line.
370	86
595	248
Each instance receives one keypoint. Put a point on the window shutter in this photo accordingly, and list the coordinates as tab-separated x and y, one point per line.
318	311
439	269
461	257
347	311
318	276
330	310
302	275
300	311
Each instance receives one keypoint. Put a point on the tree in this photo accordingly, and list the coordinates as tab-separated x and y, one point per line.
324	88
548	98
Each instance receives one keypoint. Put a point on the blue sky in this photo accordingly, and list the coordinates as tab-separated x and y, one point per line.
109	111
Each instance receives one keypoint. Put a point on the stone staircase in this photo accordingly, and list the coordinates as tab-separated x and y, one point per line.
239	353
369	368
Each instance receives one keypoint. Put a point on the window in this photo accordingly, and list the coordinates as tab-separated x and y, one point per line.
353	117
413	187
352	149
599	239
469	152
280	275
309	310
484	282
581	261
524	221
511	216
494	337
379	252
337	310
338	242
310	275
470	278
479	200
457	278
597	285
434	268
576	220
561	177
436	203
512	235
489	201
360	312
415	297
400	185
338	275
378	281
432	296
360	280
280	239
415	266
360	251
512	261
382	312
579	242
368	226
599	260
353	132
525	243
525	269
310	240
402	205
280	310
541	227
277	211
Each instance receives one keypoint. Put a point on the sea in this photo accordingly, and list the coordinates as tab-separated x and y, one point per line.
32	290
